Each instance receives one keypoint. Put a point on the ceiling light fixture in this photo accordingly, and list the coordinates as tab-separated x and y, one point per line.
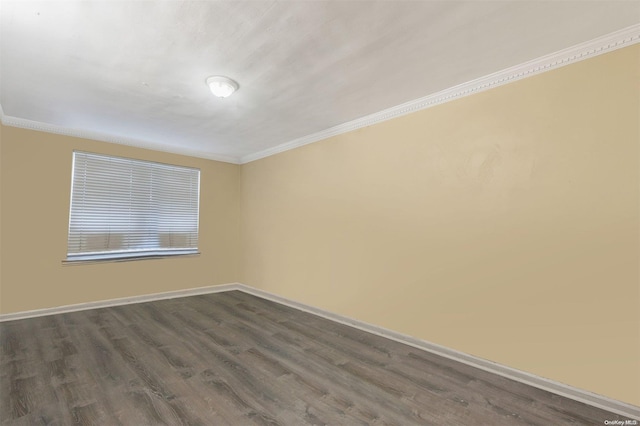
221	86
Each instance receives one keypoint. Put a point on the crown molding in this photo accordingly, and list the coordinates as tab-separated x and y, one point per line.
608	43
103	137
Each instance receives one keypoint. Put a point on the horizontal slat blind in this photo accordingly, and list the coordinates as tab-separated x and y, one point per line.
122	207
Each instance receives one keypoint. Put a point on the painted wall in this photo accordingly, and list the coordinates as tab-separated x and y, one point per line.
504	224
36	183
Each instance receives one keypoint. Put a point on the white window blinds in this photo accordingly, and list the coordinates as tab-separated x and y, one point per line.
130	208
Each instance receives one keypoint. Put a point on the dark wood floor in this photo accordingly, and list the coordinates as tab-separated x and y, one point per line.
235	359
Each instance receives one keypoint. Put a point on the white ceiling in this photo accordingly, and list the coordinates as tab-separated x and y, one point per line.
136	70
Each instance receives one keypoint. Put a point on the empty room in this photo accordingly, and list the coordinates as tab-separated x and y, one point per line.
319	212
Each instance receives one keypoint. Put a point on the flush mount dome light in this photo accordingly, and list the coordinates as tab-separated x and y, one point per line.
221	86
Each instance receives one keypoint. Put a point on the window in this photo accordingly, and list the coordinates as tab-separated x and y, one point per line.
124	208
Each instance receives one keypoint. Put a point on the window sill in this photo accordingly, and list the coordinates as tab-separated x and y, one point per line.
90	260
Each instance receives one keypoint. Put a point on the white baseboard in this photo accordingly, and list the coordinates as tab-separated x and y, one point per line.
590	398
118	302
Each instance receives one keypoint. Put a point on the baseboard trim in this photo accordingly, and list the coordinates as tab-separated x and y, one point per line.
590	398
118	302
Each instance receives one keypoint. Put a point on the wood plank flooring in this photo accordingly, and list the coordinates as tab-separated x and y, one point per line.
236	359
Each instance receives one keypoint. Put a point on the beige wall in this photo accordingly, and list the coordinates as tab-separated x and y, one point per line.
504	224
35	173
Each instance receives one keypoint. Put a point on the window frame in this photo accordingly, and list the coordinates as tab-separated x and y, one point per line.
127	254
